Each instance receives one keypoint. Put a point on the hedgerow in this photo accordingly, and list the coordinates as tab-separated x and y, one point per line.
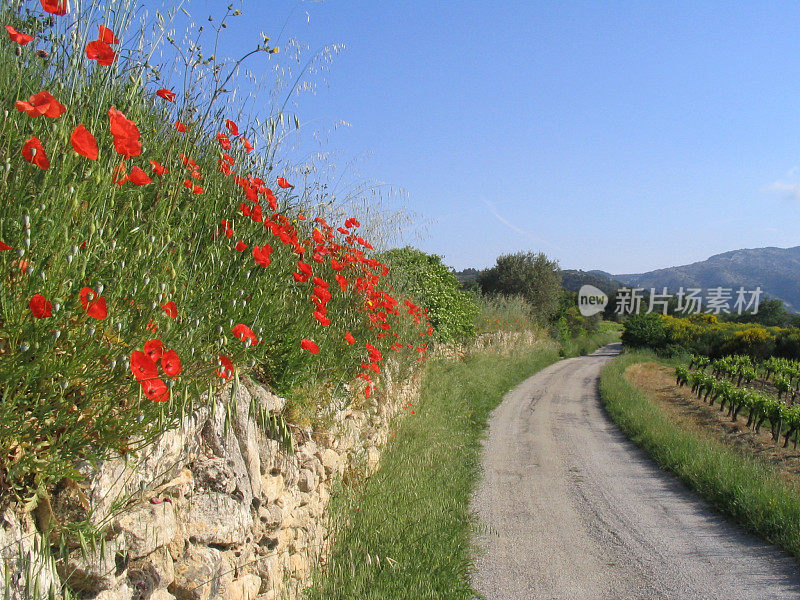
152	247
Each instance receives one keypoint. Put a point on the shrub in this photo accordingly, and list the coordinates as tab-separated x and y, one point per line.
430	282
645	331
532	276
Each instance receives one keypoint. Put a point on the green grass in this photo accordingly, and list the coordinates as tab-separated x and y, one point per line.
748	490
607	333
405	533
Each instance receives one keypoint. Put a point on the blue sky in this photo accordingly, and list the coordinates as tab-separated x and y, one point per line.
619	136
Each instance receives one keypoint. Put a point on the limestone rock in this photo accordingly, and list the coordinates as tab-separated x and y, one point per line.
151	574
96	570
199	576
271	516
215	518
147	527
19	554
123	592
244	588
307	481
331	462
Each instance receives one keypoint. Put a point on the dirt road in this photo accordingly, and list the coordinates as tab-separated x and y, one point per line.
570	509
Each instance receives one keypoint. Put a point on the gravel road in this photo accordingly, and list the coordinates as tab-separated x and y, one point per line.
568	508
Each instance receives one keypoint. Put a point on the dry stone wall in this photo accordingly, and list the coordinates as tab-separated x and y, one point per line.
213	510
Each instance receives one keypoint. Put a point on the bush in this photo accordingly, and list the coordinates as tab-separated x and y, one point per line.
645	331
430	283
532	276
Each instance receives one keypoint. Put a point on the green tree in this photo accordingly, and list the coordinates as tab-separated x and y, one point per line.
431	284
532	276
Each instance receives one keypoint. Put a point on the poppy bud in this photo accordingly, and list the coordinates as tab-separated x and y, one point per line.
20	253
23	347
69	259
112	364
64	385
100	288
139	418
146	280
57	334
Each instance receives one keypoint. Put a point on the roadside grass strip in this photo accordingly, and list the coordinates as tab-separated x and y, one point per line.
405	532
745	488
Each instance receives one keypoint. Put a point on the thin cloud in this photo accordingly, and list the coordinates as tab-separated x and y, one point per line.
788	187
522	232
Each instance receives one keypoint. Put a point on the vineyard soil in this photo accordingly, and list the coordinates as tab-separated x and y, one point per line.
687	410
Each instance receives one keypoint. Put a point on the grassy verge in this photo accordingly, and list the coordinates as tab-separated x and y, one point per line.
405	532
749	490
407	529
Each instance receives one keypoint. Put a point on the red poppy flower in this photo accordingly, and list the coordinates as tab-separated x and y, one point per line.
42	103
4	246
171	363
166	94
83	142
55	7
309	345
101	52
180	127
120	125
243	332
120	174
368	391
349	338
241	246
21	38
126	134
224	141
226	367
155	389
323	320
158	168
196	189
107	36
232	127
33	152
171	309
261	254
94	305
282	183
247	145
342	281
138	177
128	147
40	307
374	354
142	366
154	349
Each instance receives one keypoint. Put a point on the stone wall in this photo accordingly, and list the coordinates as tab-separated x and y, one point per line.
216	509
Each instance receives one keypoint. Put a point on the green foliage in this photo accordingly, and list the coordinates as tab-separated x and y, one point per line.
430	283
645	331
705	334
67	389
503	313
532	276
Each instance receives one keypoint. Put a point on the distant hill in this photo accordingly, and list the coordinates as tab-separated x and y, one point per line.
572	280
775	270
